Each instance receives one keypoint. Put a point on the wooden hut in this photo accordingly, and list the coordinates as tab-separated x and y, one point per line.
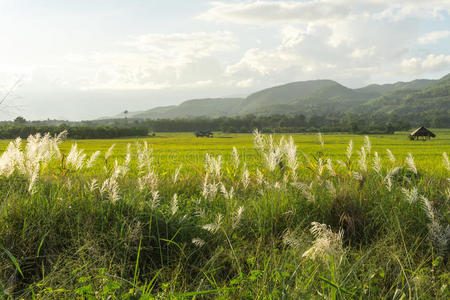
421	132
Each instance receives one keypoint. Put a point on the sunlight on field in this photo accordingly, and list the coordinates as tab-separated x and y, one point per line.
173	149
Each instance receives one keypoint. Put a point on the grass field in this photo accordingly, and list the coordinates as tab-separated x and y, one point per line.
193	218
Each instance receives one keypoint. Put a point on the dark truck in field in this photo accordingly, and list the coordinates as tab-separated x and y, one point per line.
203	134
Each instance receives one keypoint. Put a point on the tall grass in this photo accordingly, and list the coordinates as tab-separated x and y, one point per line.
290	225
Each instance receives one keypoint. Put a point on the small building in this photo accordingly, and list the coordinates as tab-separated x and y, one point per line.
203	133
421	132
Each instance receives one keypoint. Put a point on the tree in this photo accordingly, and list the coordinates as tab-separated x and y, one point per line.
20	120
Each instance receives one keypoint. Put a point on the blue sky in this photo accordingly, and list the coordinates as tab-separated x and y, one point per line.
85	59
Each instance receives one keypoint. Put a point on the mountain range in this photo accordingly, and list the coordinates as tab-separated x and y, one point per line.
317	97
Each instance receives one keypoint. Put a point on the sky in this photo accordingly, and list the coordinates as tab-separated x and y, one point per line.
86	59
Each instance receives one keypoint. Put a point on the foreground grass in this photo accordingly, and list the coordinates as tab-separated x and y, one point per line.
281	222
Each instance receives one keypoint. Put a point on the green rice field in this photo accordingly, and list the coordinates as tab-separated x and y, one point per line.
172	149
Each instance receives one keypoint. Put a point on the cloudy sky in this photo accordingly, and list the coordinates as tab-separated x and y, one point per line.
90	58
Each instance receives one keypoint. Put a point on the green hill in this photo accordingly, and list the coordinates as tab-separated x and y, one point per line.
284	94
319	97
210	107
432	102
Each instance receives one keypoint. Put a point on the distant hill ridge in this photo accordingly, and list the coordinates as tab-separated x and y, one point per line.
315	97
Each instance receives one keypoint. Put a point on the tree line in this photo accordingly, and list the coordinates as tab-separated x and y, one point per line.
355	123
75	132
334	122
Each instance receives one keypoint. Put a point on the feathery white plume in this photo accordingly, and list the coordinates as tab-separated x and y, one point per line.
350	150
92	159
367	144
109	152
320	138
326	243
198	242
235	158
390	155
411	164
174	204
214	227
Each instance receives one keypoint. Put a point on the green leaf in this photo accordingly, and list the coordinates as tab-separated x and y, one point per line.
14	261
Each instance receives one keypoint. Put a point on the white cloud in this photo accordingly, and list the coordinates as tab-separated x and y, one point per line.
431	63
401	9
158	61
245	83
263	12
349	50
320	11
432	37
179	47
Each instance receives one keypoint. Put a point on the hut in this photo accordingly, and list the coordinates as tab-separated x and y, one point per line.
421	132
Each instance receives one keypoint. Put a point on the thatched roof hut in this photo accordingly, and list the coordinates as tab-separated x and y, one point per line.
421	132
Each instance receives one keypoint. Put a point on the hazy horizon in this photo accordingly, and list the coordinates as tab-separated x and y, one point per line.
91	59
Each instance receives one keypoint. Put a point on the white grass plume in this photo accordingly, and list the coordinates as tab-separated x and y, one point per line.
320	168
177	173
291	240
259	177
445	161
213	165
174	204
93	185
144	157
357	176
32	180
154	202
306	190
149	179
237	216
290	153
92	159
128	156
411	195
390	155
214	227
198	242
349	150
76	158
235	158
362	161
367	144
320	138
387	181
326	243
227	194
330	169
245	179
111	187
273	158
376	163
259	140
110	151
410	163
438	235
209	190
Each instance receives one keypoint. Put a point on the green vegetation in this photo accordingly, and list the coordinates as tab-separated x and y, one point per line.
229	216
75	132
